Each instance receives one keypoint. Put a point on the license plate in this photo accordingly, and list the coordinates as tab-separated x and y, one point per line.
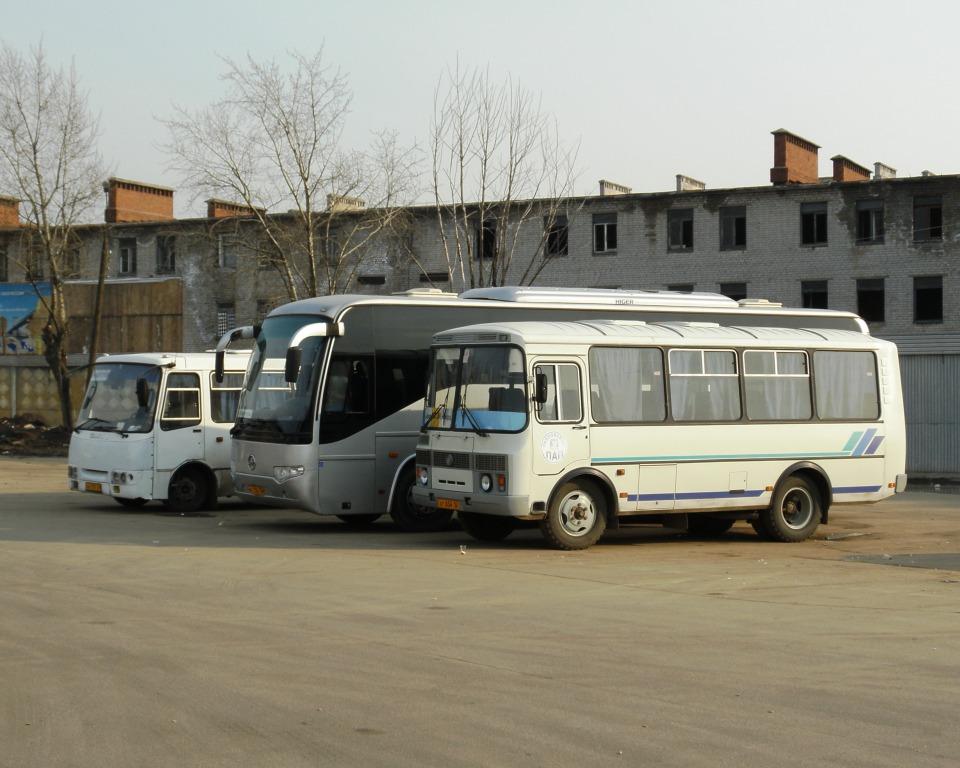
256	490
448	504
93	487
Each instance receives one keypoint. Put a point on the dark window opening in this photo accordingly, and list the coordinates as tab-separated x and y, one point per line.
226	318
928	299
681	287
733	228
813	294
927	218
434	277
487	240
127	248
813	223
604	232
557	232
166	254
680	229
4	269
735	291
372	279
870	299
869	221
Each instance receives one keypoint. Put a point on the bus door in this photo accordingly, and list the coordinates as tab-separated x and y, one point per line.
560	435
180	436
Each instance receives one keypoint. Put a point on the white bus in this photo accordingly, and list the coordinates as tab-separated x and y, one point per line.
125	447
692	425
331	408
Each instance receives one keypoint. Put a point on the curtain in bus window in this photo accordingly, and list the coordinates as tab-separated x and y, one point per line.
777	385
846	385
548	409
704	385
626	385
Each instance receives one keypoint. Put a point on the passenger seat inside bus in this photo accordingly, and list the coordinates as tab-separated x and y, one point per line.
503	399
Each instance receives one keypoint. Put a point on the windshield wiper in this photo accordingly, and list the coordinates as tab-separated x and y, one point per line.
473	420
89	424
433	414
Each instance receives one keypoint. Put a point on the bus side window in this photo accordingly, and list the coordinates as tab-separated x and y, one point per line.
563	393
224	397
181	408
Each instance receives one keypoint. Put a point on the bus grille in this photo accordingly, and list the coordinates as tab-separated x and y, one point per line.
452	460
488	462
423	457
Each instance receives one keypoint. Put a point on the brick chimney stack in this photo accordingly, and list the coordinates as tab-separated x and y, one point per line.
608	188
9	212
689	184
794	159
844	169
129	201
224	209
884	171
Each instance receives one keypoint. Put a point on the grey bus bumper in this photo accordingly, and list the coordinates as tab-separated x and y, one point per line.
482	503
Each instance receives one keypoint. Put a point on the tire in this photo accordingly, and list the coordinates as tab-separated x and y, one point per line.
188	491
794	513
708	527
358	521
410	517
130	503
577	516
486	527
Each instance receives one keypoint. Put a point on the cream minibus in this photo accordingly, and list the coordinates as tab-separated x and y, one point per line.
330	412
123	446
688	424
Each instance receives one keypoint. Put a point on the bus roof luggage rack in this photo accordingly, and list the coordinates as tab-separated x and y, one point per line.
426	293
759	303
549	295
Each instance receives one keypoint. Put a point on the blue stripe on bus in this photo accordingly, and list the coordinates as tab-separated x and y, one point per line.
874	444
857	489
864	442
691	495
852	442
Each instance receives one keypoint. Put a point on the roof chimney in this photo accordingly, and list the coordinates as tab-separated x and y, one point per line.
129	201
689	184
341	203
224	209
881	171
794	159
9	212
844	169
608	188
927	173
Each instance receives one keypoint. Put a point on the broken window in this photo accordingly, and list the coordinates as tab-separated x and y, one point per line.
735	291
870	299
813	223
813	294
869	221
680	229
733	228
557	232
487	240
927	218
928	299
127	250
604	232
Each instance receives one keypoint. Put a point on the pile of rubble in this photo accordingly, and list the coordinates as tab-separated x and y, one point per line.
27	435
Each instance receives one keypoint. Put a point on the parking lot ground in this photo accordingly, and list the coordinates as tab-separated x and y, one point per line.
268	637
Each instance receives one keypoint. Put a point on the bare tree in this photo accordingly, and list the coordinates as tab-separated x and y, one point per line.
502	179
274	142
49	159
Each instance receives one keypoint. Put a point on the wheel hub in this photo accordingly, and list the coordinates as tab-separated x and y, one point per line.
577	514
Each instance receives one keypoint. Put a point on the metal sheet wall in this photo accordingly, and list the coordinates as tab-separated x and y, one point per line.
931	402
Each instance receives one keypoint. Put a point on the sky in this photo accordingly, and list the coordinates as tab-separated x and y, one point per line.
647	89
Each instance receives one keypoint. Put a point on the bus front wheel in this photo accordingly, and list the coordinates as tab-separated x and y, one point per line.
411	517
577	516
794	513
188	490
486	527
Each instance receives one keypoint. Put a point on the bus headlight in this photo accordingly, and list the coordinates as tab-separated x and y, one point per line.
423	476
486	483
121	478
282	474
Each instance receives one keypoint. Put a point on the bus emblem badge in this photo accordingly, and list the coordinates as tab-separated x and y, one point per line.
553	447
251	462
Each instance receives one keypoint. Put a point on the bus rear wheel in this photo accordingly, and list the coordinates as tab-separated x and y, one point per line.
794	513
577	516
411	517
486	527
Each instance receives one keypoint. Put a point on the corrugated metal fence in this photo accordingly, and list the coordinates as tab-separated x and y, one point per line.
931	402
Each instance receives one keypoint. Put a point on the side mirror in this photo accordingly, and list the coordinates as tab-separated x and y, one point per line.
291	368
143	393
218	366
540	388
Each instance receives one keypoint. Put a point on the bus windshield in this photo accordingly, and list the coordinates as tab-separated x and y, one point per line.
121	397
271	410
477	389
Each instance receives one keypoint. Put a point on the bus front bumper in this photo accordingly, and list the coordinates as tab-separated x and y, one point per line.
481	503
